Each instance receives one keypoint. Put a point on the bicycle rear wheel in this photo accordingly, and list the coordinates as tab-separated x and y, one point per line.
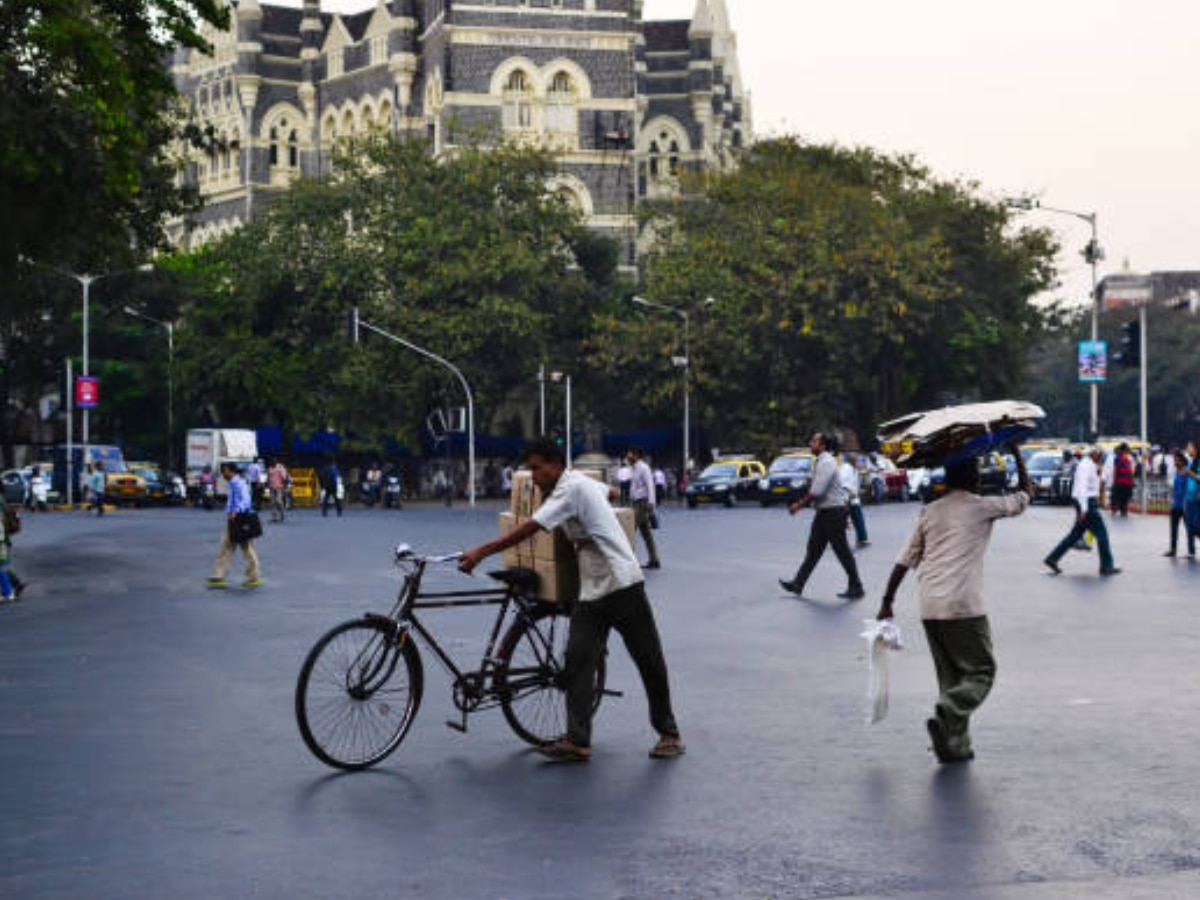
528	678
358	692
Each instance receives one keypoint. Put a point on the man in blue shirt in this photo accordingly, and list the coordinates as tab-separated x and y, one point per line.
239	502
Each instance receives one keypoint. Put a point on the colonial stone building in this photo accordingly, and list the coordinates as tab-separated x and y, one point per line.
628	104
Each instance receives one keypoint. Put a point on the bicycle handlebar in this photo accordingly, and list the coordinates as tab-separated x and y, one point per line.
405	553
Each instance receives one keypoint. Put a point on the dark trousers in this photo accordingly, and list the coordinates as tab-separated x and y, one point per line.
641	513
1091	521
859	521
966	670
628	611
1177	517
829	529
328	496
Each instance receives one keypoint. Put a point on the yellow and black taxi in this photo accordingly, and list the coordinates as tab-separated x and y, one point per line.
727	481
788	479
122	485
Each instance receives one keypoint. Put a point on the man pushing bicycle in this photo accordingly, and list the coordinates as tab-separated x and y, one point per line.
612	595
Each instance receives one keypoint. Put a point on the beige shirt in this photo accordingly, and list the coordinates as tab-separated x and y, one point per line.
948	545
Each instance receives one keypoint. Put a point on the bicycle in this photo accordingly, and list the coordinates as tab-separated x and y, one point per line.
361	685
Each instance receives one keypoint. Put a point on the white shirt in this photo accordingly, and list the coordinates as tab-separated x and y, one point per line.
641	485
579	506
948	545
1087	482
848	475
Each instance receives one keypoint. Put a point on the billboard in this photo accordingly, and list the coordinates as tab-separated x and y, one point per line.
1093	361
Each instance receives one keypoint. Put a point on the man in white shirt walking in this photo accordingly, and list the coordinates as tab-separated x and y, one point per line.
1085	491
948	544
827	496
612	595
642	495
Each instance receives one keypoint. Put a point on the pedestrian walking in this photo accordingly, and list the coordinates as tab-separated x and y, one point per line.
96	484
332	488
612	595
8	591
1180	485
10	524
827	496
948	545
660	486
239	502
848	474
277	481
1123	469
624	481
39	490
253	476
1085	491
645	509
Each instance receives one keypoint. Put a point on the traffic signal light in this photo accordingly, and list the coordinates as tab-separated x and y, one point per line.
1131	344
1093	252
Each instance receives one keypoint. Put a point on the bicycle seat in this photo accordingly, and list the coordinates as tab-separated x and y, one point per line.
523	581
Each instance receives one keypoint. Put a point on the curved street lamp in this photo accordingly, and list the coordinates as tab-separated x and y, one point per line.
1092	253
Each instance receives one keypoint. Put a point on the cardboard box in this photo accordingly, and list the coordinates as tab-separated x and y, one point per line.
550	554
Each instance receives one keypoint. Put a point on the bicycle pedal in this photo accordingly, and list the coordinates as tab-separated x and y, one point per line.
457	726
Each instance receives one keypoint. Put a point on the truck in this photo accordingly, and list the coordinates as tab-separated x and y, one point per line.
213	447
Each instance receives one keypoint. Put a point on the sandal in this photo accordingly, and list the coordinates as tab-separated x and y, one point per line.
668	747
565	751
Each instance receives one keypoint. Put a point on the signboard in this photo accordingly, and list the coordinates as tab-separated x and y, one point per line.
1093	361
87	392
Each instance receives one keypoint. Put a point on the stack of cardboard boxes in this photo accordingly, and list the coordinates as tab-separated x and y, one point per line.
550	554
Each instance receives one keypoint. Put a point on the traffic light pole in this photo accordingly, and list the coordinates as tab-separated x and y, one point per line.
1142	378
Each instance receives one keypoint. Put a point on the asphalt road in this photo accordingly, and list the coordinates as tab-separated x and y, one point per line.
148	747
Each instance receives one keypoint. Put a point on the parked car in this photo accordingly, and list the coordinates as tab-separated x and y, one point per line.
726	481
161	487
1052	482
914	479
788	479
16	486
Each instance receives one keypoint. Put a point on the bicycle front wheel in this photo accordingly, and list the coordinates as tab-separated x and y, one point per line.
358	693
529	677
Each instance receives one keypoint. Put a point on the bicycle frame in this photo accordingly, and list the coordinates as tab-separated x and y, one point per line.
472	689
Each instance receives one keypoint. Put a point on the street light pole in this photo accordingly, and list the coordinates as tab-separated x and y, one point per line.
85	282
170	326
358	323
1093	254
684	363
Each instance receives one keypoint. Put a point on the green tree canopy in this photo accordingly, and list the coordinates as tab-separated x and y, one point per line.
849	286
86	116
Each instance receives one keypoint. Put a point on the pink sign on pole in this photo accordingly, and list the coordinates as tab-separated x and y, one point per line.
87	392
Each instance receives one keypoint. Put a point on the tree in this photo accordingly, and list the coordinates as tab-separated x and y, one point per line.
85	122
466	256
851	286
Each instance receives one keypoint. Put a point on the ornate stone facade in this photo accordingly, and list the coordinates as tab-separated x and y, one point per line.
629	104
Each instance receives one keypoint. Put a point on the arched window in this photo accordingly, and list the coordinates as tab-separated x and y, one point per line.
293	150
518	102
562	117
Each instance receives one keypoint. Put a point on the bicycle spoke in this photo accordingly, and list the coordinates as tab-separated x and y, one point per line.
357	695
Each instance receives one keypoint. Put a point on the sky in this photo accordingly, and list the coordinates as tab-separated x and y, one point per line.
1089	105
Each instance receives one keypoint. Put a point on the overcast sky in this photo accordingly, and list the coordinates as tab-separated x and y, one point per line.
1091	105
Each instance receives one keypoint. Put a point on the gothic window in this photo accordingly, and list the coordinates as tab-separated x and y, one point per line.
274	146
518	102
673	158
655	151
379	49
561	114
336	63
